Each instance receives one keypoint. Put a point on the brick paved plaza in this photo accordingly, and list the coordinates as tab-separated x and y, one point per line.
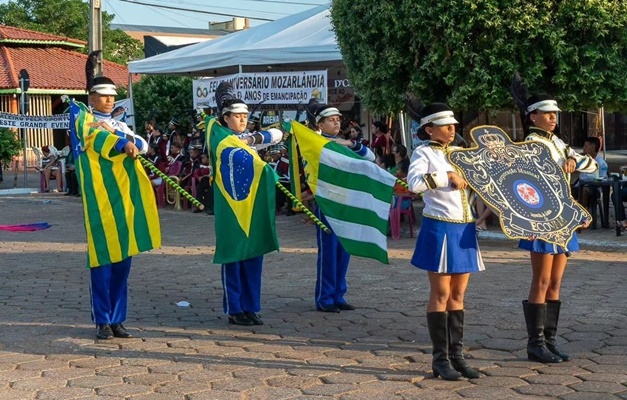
379	351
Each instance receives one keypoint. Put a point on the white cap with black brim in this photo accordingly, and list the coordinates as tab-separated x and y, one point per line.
544	106
236	108
106	89
327	112
439	118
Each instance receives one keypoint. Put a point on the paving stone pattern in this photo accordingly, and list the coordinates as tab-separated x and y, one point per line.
379	351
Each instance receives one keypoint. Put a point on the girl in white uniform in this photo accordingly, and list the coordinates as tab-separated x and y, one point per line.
548	261
447	243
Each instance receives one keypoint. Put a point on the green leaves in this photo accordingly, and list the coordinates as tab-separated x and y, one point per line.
163	97
465	52
10	146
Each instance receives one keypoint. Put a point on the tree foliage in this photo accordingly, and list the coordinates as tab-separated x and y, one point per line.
465	52
10	146
163	97
70	18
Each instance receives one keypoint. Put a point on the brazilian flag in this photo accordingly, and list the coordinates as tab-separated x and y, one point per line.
244	198
121	217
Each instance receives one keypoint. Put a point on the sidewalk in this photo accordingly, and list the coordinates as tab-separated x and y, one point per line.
379	351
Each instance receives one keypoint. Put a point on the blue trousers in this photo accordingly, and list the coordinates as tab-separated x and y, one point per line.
332	267
241	282
109	292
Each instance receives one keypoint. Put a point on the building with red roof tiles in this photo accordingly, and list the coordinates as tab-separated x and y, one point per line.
55	68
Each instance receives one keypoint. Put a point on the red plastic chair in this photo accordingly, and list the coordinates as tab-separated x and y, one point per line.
395	216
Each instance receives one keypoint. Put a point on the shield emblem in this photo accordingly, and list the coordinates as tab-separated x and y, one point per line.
520	181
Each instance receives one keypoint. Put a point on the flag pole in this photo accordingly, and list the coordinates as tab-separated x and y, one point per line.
175	185
302	206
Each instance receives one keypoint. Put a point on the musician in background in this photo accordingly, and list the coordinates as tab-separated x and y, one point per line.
175	154
548	261
155	159
204	185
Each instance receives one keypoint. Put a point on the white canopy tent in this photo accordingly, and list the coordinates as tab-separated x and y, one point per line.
297	42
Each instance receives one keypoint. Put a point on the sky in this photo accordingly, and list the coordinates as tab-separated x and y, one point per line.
128	12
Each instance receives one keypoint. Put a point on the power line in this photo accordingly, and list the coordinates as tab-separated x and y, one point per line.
196	11
155	9
263	1
237	10
115	12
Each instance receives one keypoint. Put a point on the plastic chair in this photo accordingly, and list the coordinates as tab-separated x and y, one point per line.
396	213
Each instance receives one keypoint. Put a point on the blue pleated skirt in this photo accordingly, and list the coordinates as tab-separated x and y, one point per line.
540	246
447	247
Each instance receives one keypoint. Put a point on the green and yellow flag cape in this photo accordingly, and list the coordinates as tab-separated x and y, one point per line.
244	198
121	216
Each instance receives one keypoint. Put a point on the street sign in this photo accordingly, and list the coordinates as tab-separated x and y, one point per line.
24	85
24	80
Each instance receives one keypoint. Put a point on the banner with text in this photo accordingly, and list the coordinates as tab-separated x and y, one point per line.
59	121
265	88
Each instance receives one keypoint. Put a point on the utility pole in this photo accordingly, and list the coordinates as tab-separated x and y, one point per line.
24	85
95	31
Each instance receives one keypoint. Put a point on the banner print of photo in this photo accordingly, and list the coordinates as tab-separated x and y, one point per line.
520	181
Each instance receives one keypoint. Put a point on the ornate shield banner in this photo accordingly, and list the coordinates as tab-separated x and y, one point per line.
523	184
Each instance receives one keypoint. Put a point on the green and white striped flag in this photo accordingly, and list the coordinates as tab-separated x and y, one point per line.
354	194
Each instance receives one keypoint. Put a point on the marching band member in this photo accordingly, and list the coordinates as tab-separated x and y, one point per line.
241	280
109	282
333	260
548	261
447	245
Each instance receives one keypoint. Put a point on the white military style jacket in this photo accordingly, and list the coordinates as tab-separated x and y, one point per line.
560	151
428	173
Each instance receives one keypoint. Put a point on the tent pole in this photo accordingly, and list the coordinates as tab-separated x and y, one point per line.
602	112
130	96
401	122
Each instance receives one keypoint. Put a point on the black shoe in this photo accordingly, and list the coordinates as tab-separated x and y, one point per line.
550	328
67	194
535	317
254	318
240	319
437	322
332	308
196	211
345	307
290	212
209	212
104	332
120	331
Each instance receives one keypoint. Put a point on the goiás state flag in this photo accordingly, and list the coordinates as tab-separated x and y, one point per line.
121	218
244	198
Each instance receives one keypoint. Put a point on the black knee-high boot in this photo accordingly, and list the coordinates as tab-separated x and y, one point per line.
550	328
456	345
437	322
535	315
